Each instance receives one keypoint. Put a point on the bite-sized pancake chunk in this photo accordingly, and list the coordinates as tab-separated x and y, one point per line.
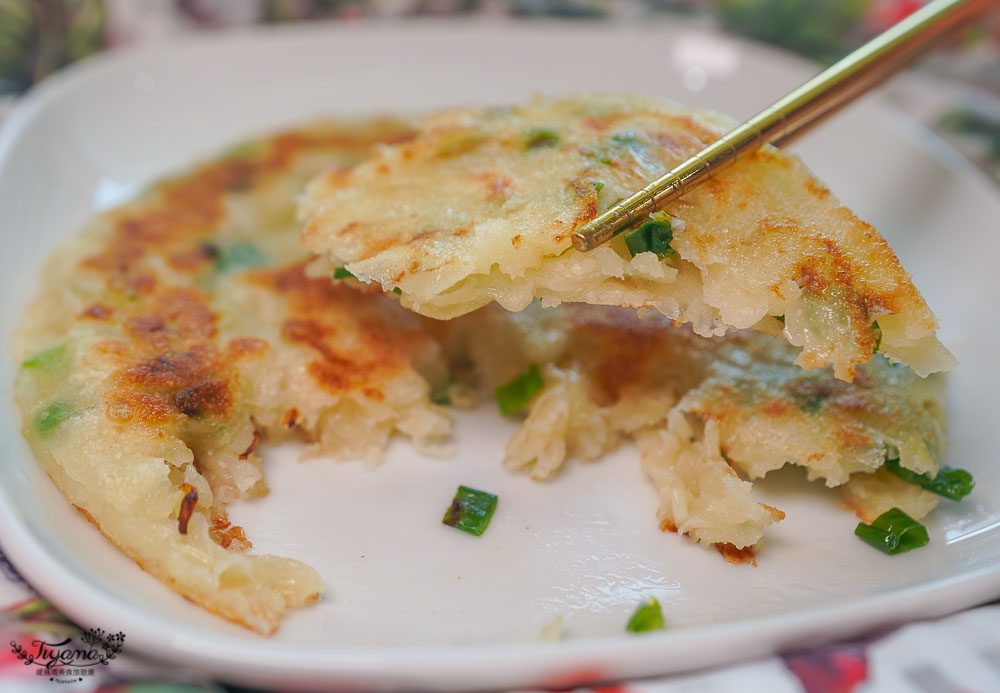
482	204
180	330
709	415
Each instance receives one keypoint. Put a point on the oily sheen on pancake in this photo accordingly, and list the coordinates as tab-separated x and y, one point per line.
481	205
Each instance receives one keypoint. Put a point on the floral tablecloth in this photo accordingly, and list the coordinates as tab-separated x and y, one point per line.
960	653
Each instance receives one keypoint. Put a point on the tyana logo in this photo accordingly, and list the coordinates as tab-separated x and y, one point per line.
68	658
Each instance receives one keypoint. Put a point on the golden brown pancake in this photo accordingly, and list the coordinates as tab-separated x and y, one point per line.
181	333
178	330
481	206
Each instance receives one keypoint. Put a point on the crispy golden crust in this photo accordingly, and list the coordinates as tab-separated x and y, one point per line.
481	204
168	342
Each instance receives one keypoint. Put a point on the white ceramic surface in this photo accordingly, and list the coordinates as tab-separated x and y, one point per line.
412	603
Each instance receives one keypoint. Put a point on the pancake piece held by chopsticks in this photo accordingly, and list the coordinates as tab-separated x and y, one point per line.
481	206
179	331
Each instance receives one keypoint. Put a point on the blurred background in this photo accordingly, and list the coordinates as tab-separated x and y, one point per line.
960	97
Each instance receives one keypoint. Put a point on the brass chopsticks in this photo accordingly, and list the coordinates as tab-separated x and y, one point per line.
795	113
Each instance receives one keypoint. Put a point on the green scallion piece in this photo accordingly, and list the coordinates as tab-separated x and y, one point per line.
627	138
238	256
537	138
471	510
893	532
652	236
878	336
441	392
647	617
950	482
518	393
397	291
46	359
341	273
48	419
598	186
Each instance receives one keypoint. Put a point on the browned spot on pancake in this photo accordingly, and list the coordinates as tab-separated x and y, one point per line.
111	346
516	240
311	334
596	123
776	407
238	347
125	405
172	371
498	187
374	393
192	258
143	326
717	189
132	285
380	245
853	436
583	187
584	213
253	445
460	232
96	311
333	375
356	342
188	311
345	229
679	145
188	504
738	556
668	526
813	187
290	418
211	397
232	537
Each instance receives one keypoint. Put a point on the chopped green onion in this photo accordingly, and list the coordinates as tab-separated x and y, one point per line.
893	532
878	335
239	256
627	138
471	510
780	318
397	291
606	160
536	138
598	186
48	419
950	482
46	359
516	394
341	273
647	617
652	236
441	393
